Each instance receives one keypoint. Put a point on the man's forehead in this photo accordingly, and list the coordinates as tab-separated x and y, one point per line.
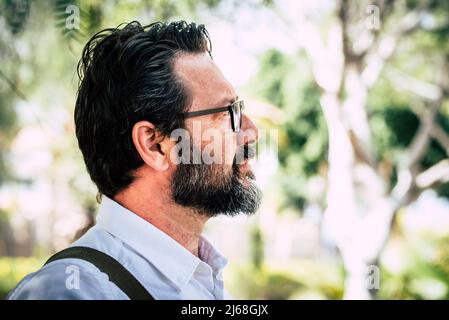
204	80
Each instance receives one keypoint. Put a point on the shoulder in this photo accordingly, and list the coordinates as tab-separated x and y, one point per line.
66	279
72	278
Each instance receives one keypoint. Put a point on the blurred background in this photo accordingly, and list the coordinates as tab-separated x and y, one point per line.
352	101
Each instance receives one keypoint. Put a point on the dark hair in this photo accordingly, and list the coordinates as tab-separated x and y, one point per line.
126	75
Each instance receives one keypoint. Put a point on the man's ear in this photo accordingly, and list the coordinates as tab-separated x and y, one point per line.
149	142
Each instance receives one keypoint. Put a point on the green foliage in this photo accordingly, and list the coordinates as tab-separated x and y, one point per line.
257	250
286	82
89	19
298	280
402	123
15	13
12	270
425	276
8	130
274	66
394	125
266	284
15	16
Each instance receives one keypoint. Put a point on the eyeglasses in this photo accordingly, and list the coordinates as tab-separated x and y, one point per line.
235	109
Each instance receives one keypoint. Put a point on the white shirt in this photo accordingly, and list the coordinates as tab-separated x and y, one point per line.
164	267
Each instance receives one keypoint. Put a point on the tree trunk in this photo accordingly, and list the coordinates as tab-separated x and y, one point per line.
359	211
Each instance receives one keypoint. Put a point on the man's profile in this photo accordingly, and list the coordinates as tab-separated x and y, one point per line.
139	85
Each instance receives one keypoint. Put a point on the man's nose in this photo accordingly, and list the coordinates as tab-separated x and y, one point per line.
249	133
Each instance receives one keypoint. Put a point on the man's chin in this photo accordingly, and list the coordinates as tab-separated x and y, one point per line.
215	192
246	173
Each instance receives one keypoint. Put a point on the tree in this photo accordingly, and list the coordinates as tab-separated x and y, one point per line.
353	58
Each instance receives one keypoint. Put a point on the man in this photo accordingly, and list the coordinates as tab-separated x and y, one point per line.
139	86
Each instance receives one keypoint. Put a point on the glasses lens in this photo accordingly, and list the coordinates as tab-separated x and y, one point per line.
237	114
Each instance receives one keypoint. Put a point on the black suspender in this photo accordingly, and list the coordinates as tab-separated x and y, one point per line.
116	272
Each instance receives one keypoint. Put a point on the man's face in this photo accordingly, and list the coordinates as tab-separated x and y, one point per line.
225	184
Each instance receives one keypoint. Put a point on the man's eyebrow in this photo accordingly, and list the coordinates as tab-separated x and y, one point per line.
227	101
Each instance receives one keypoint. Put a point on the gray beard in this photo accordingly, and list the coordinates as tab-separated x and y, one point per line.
212	190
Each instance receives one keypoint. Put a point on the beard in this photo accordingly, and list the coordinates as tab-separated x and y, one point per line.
215	189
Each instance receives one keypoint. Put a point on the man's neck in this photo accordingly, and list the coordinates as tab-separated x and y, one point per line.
183	225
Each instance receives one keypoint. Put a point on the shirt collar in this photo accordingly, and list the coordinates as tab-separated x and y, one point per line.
173	260
209	254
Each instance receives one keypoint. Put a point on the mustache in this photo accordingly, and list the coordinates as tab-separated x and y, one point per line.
248	151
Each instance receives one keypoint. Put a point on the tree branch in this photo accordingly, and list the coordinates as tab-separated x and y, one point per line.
342	14
385	47
418	87
421	139
13	86
408	166
436	174
441	137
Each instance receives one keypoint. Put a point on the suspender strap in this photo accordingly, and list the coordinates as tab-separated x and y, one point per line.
116	272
